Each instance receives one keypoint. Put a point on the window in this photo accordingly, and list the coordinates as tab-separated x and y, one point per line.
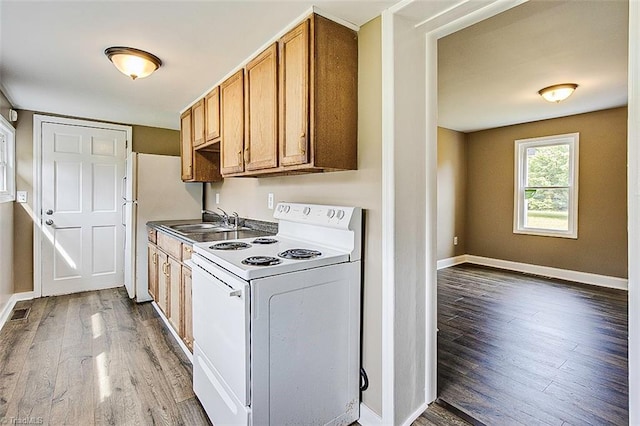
7	161
546	187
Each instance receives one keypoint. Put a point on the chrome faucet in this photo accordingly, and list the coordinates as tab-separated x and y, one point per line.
225	217
236	220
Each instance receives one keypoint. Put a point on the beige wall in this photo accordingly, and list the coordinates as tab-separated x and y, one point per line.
601	247
153	140
452	176
145	139
359	188
6	232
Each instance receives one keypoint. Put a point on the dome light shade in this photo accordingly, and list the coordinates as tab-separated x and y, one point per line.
134	63
557	92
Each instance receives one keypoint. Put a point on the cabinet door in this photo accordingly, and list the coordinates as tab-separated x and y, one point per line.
197	118
186	146
294	96
175	303
152	265
232	124
187	308
163	283
261	100
212	115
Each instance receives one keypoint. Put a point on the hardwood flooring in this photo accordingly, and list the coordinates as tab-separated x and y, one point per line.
516	349
94	358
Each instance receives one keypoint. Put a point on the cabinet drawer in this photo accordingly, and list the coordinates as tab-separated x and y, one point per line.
186	252
151	233
170	245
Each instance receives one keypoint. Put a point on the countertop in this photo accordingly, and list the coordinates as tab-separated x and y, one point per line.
258	229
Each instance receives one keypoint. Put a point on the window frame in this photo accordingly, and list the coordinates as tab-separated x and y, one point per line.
521	146
6	129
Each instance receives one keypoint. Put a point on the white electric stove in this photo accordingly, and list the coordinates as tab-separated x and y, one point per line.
277	321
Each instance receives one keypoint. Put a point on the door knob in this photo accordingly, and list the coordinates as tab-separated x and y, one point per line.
49	212
49	222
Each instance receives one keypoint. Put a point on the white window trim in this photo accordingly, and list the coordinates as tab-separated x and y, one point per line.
521	146
7	129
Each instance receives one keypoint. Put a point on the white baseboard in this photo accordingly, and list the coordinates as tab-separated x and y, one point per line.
547	271
452	261
16	297
173	332
368	417
415	414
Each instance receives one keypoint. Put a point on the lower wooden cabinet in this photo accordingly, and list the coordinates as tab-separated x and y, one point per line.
170	283
152	265
163	282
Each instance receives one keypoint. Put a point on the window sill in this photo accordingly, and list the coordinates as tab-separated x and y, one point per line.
547	233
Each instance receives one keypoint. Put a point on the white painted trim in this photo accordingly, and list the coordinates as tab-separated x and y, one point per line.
38	120
431	218
173	332
297	21
11	303
415	414
388	220
633	212
368	417
452	261
547	271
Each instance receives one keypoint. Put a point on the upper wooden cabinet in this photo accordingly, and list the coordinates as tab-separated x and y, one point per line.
292	110
197	165
197	118
294	96
232	124
261	112
212	115
186	146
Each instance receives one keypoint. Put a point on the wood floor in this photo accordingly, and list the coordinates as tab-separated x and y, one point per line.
94	358
515	349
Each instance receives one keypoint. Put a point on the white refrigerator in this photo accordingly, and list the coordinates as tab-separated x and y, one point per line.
153	191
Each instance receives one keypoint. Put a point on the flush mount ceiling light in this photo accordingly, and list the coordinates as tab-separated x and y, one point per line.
135	63
557	92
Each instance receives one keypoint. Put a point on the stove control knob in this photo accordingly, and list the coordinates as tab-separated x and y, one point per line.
340	214
306	211
331	213
287	208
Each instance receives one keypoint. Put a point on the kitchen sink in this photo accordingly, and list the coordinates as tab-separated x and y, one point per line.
204	227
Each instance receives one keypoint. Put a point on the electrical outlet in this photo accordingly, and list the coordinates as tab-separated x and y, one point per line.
455	241
217	198
270	201
21	196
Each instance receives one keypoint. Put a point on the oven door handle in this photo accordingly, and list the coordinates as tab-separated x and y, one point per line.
232	293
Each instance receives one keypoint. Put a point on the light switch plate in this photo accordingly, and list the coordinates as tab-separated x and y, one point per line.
21	196
270	201
217	198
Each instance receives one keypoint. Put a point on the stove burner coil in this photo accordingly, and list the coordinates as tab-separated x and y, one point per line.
230	245
299	254
264	240
261	261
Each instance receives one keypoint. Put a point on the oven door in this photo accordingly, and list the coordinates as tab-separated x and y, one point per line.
221	324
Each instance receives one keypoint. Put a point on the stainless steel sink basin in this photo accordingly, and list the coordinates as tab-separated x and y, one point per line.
204	227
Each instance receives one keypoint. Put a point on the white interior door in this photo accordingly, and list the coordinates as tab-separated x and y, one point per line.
82	244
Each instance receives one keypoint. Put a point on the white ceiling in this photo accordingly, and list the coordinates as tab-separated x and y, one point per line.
51	52
51	56
490	73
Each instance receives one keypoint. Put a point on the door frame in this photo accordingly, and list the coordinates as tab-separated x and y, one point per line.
430	25
38	121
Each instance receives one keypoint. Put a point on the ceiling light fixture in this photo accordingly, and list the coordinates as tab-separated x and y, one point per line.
557	92
135	63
